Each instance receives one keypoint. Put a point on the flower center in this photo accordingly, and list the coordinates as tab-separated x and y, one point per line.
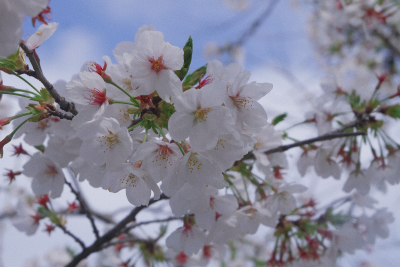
164	152
157	64
242	102
193	162
108	141
96	97
130	180
127	84
201	114
220	144
51	171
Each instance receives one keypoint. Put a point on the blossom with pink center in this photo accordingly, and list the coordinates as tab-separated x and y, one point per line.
89	91
96	97
27	219
137	183
47	175
151	64
189	239
159	158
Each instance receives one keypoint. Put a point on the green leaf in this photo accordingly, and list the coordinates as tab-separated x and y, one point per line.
46	97
193	78
163	230
393	111
187	59
12	62
279	118
41	148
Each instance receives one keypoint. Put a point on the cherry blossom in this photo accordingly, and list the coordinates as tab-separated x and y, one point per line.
41	35
47	175
200	116
150	65
105	142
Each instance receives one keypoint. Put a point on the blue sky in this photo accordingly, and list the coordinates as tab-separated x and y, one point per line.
280	40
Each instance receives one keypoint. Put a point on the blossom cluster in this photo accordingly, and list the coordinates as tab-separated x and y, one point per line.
147	125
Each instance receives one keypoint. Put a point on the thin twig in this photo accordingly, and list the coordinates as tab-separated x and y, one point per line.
313	140
64	105
62	227
28	72
134	122
127	240
152	221
84	208
389	44
7	215
256	24
97	245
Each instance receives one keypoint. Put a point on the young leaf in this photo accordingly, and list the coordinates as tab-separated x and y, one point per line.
187	57
279	118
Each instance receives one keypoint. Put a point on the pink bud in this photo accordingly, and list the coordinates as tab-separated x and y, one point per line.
4	121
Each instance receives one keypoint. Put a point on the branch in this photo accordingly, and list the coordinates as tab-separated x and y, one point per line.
153	221
62	227
64	105
127	240
61	115
84	208
28	72
256	24
328	136
395	50
97	245
8	215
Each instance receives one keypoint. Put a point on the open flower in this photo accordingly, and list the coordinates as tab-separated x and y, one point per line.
47	175
201	117
105	142
41	35
151	64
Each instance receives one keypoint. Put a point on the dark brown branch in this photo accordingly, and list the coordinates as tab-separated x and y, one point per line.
127	240
84	208
61	115
64	105
152	221
325	137
28	72
62	227
114	232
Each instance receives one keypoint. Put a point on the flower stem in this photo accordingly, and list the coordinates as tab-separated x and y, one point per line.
145	135
16	129
11	93
22	90
134	126
180	148
122	102
134	101
20	115
160	129
19	76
